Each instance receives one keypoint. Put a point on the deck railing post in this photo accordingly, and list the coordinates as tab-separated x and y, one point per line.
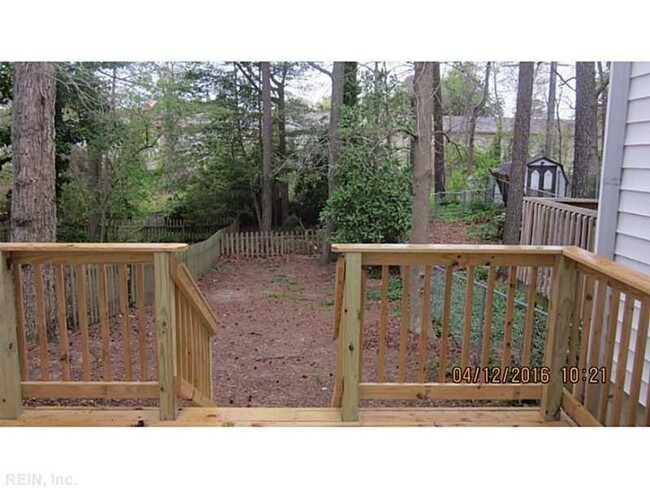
10	387
166	332
352	326
563	295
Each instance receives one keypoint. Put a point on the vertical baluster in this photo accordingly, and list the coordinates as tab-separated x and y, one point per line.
40	321
621	363
426	323
639	359
62	320
446	316
510	307
467	324
82	310
383	325
487	319
142	321
103	315
404	324
610	339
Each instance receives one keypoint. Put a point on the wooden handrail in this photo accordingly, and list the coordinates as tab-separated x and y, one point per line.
91	246
184	280
480	249
626	275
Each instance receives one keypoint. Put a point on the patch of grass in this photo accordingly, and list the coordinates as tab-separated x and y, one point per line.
326	302
228	424
394	290
279	277
318	380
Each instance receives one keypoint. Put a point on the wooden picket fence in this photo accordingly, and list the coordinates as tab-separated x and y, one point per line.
198	258
167	230
272	243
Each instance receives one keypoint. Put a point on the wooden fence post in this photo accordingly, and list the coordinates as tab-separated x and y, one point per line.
166	332
352	326
563	294
10	387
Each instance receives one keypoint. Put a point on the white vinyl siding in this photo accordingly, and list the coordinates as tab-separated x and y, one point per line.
632	227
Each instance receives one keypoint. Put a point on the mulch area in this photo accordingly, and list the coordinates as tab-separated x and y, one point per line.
275	343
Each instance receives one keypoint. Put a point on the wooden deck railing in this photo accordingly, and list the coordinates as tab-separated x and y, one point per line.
48	348
557	222
577	333
197	324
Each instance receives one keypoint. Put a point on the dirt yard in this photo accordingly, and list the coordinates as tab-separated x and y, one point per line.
275	345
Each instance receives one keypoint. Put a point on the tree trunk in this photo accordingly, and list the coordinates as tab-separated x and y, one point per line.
474	114
585	163
423	91
94	193
438	135
283	185
33	198
338	80
519	152
169	126
550	111
267	130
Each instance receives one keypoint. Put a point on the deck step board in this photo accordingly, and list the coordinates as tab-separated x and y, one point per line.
215	416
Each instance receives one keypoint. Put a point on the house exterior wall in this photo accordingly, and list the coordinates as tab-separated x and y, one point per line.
623	232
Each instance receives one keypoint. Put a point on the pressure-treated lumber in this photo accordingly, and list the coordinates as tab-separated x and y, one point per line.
639	357
404	324
166	332
352	311
10	389
188	392
467	321
531	303
625	275
338	294
89	389
187	285
383	326
446	314
487	320
20	316
447	391
64	352
91	246
619	383
287	417
577	411
41	324
82	314
557	334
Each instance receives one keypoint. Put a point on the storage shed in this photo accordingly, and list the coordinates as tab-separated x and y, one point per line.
544	178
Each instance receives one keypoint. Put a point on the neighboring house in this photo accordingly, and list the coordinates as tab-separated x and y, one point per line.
623	228
456	128
544	178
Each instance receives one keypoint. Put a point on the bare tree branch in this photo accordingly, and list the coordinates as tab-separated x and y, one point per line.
321	69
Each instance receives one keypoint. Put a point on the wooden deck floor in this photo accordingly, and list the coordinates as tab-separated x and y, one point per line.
291	417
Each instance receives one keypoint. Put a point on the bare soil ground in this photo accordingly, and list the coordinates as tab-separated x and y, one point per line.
275	343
